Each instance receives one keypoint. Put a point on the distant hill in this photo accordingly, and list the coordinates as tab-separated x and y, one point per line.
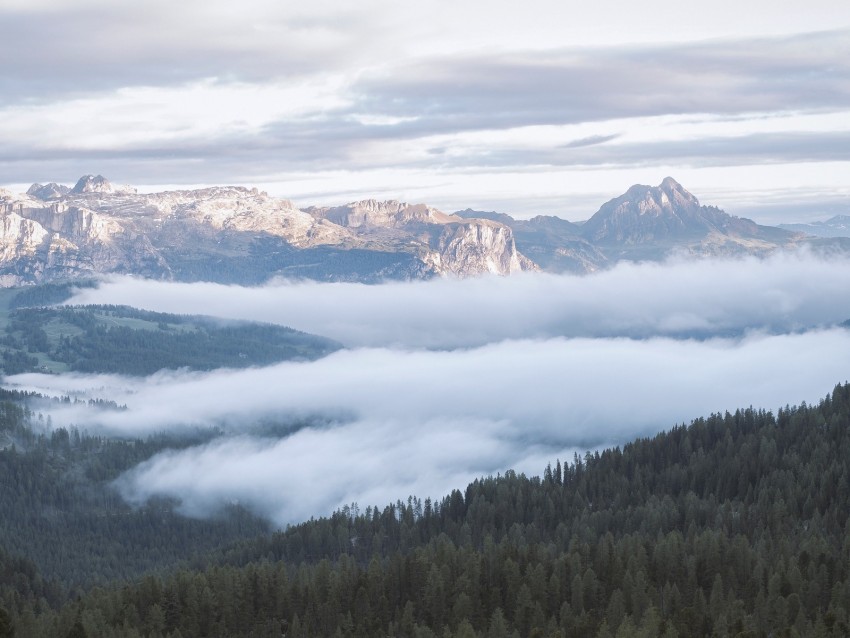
125	340
668	215
838	226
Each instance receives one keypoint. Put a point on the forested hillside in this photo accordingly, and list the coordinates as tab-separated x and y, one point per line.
119	339
736	525
60	511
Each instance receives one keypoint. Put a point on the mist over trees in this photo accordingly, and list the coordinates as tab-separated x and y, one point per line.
735	525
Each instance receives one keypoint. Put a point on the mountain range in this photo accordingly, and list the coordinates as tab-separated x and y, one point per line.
234	234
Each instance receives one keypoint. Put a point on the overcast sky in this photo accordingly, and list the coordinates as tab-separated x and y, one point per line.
526	108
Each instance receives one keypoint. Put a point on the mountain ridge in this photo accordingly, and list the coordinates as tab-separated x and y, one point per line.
234	234
644	223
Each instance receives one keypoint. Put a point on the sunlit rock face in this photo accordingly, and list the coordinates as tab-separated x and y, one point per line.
448	244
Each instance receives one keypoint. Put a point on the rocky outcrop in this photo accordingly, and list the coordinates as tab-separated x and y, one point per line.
48	191
447	243
371	213
478	246
552	243
56	241
98	184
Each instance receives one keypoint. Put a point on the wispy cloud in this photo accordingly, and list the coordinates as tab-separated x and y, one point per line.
569	86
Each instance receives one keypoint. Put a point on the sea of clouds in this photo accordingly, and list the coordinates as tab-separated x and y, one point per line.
447	380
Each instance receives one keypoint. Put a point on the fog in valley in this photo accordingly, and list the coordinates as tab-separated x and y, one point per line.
679	298
448	380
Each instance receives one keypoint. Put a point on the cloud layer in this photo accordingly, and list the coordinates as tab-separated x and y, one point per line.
680	298
447	380
392	422
541	386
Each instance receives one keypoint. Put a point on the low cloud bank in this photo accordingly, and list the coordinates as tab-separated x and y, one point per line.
679	298
397	422
316	470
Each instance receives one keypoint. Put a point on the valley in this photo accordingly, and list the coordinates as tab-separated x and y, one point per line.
207	469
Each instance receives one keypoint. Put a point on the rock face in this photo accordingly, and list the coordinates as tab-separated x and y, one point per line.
448	244
236	235
41	242
554	244
49	191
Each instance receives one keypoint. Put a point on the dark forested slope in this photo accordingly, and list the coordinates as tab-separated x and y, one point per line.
736	525
60	511
126	340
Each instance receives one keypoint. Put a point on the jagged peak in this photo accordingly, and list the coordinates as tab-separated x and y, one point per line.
676	192
92	184
51	190
668	193
378	204
668	183
99	184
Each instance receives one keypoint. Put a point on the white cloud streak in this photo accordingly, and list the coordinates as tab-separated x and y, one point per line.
680	298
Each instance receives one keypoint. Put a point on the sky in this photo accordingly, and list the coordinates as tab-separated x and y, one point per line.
540	107
448	380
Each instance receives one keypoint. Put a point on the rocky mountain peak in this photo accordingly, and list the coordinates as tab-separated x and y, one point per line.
99	184
676	193
376	213
665	213
92	184
670	184
45	192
